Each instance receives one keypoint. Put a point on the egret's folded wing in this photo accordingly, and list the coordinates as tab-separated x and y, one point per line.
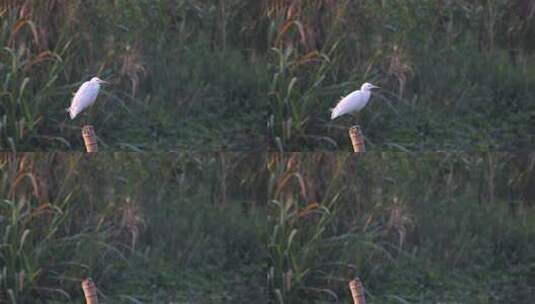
346	105
78	100
339	108
78	95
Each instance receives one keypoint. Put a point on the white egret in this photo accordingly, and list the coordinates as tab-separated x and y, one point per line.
85	96
354	102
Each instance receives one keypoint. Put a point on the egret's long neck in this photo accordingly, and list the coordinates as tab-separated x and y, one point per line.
367	93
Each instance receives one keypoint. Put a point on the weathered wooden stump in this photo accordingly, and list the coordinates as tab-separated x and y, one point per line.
90	139
357	139
90	291
357	291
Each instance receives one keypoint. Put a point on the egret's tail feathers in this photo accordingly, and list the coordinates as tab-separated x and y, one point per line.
332	113
335	113
72	113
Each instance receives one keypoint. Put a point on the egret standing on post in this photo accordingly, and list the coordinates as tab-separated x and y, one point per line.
85	96
353	102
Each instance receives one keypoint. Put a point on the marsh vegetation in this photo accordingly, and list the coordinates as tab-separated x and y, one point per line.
258	75
273	228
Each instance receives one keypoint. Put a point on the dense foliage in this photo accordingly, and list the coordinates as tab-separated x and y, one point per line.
250	75
211	228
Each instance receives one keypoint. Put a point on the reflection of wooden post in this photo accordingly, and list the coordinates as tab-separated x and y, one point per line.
357	291
90	139
90	291
357	139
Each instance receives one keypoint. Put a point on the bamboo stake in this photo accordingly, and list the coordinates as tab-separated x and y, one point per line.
90	291
90	139
357	291
357	139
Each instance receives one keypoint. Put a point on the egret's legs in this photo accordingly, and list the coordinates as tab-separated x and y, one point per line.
91	114
83	120
355	119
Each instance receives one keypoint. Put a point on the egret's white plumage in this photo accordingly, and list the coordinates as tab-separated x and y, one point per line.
85	96
353	102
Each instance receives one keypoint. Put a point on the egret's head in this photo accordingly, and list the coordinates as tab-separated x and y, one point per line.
98	80
368	87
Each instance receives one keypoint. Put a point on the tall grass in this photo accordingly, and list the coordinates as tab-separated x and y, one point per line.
48	243
442	67
435	228
273	228
245	75
167	87
144	230
306	241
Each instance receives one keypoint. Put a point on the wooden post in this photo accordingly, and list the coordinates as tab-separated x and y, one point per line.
357	139
90	139
357	291
90	291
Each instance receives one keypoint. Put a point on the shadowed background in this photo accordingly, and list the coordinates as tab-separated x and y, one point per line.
273	228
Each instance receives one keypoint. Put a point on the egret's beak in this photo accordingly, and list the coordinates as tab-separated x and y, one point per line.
103	81
375	87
